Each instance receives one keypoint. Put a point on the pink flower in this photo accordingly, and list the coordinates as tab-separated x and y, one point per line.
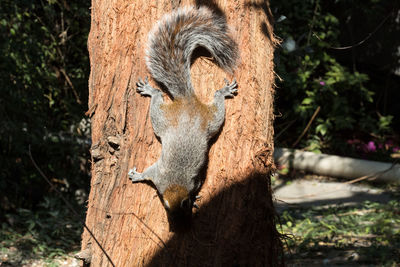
371	147
322	83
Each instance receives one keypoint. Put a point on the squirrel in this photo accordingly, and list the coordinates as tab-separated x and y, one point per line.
186	125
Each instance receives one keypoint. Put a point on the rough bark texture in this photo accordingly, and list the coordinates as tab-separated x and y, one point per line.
235	225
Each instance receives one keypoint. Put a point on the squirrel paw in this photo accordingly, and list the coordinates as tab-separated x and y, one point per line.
134	175
230	89
194	202
144	88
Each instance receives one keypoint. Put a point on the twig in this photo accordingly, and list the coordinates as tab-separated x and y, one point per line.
140	220
360	42
78	100
69	206
308	126
284	129
312	22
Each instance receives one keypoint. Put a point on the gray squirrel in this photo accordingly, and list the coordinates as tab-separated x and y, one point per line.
186	125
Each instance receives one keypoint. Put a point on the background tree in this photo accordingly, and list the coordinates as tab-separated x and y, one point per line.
236	220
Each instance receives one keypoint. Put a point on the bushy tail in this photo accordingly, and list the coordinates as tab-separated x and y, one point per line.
176	35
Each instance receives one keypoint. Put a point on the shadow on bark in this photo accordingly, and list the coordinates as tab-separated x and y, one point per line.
236	228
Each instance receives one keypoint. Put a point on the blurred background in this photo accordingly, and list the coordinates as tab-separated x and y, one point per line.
337	92
44	70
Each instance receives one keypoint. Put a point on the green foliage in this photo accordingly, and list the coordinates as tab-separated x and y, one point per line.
371	230
312	77
43	75
48	233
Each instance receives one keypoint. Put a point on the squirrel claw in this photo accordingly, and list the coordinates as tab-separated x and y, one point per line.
142	83
194	203
134	175
230	89
144	88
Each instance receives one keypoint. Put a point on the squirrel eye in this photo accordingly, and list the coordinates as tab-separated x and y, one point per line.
185	204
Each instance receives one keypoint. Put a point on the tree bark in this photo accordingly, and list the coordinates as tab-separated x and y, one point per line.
235	225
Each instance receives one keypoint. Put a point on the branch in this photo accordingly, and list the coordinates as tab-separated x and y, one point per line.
360	42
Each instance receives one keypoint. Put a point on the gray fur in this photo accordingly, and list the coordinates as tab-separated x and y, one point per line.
228	91
185	137
186	29
157	116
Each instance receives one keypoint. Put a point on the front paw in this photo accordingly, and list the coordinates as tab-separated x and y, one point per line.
230	89
194	202
135	176
144	88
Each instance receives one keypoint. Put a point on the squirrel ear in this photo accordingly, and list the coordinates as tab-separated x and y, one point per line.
166	204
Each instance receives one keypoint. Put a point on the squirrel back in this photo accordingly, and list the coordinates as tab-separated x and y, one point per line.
186	125
173	40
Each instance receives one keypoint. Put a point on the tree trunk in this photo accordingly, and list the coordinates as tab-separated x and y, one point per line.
235	224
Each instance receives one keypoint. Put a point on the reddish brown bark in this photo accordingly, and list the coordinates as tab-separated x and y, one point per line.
235	223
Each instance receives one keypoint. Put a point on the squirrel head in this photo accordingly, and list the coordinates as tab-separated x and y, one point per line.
177	200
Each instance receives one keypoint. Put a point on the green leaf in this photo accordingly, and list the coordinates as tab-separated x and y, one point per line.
307	101
321	129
